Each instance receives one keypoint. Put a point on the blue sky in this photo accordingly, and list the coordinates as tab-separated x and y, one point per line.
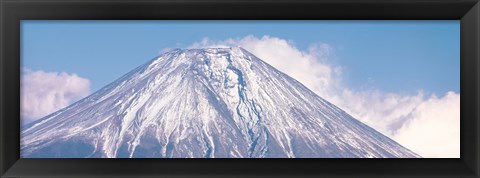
392	56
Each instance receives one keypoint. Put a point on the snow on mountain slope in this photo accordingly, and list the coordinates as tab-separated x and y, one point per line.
218	102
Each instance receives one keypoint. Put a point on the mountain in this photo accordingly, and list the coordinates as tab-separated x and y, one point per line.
219	102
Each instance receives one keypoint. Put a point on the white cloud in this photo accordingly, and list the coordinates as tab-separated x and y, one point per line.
385	112
427	125
45	92
435	124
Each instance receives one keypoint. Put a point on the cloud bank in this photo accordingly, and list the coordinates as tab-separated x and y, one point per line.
45	92
427	125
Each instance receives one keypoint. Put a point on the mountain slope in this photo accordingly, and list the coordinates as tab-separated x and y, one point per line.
219	102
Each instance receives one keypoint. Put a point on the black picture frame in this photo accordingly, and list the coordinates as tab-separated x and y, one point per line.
12	11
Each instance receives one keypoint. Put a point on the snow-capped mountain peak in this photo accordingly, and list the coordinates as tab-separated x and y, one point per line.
215	102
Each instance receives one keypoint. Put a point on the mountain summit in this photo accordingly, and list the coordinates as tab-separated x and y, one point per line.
218	102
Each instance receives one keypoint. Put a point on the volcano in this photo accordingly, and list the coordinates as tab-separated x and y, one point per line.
205	103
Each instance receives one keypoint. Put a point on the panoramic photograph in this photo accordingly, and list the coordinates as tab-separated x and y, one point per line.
240	89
